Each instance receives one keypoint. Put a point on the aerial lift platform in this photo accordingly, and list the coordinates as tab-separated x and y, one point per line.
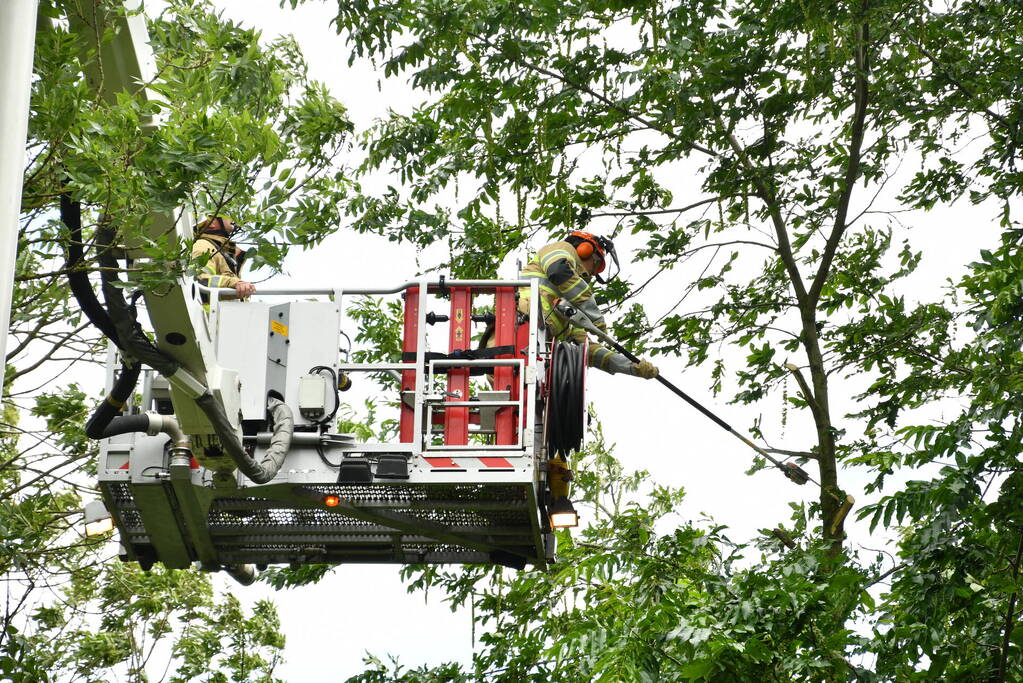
463	480
231	457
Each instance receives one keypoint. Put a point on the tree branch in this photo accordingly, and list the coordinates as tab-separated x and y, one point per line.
656	212
598	96
852	170
770	201
1003	660
74	269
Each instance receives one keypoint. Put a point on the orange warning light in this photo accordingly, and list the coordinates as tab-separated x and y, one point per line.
332	501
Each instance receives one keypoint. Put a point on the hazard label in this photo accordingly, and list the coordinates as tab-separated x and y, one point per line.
279	328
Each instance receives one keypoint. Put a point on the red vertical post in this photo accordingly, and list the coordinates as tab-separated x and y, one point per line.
409	336
456	420
504	375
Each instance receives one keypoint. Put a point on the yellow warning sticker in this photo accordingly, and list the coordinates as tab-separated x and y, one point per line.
279	328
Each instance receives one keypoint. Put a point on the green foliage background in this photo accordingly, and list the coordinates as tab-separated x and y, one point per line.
763	158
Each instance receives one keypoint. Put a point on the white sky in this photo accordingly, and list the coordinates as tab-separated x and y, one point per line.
362	609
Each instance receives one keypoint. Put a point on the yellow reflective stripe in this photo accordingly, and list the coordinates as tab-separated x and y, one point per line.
545	284
548	260
600	357
576	290
550	289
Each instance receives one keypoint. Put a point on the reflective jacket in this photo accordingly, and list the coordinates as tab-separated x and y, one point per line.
562	276
220	270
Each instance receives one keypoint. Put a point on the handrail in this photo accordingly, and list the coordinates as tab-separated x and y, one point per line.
373	290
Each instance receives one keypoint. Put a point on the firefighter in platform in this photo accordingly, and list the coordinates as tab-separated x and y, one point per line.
564	270
224	258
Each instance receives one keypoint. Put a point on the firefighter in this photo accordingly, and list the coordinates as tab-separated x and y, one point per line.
564	270
224	262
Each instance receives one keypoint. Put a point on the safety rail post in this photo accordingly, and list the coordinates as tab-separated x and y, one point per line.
505	312
456	420
410	333
532	338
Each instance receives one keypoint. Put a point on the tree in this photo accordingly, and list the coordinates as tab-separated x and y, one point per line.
242	130
639	594
748	144
581	113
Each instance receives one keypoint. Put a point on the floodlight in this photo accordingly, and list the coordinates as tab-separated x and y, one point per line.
97	520
562	514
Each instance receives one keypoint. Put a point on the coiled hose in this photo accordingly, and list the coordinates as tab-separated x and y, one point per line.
566	408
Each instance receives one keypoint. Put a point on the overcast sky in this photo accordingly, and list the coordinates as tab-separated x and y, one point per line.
366	608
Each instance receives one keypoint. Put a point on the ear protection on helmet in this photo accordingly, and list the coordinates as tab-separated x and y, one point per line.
585	249
588	244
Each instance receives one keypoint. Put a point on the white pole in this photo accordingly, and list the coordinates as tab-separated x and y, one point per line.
17	44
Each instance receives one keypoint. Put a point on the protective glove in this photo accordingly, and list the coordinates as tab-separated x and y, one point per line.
644	369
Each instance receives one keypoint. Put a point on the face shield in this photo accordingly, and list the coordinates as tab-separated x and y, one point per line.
609	250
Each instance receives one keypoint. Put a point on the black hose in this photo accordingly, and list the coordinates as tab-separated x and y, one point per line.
100	424
566	409
125	424
133	337
109	409
71	216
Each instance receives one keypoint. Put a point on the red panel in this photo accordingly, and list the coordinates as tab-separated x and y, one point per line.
456	420
504	376
406	425
438	463
496	462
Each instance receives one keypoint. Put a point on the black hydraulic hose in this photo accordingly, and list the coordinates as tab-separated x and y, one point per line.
110	408
133	338
124	424
71	216
101	423
567	411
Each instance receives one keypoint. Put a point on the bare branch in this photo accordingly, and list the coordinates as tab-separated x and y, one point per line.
852	170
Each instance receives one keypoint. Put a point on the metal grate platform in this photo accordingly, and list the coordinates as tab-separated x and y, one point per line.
495	523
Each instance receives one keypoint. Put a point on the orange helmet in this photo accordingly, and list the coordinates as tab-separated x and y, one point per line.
588	244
